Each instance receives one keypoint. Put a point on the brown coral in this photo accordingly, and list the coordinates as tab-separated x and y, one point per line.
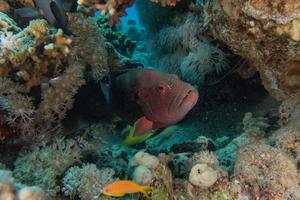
267	177
89	45
265	32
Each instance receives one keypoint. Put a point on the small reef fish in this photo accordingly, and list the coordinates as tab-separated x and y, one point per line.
52	10
123	187
149	99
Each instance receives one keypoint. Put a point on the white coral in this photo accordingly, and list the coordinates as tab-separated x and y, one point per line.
87	181
203	175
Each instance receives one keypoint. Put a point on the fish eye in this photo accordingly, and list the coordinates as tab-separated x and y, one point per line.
163	87
106	190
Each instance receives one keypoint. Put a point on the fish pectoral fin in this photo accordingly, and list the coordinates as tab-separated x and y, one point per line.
142	125
141	131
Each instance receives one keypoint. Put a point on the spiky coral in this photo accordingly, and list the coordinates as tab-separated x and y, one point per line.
44	165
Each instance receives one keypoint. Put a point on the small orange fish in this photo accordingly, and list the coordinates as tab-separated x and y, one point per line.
120	188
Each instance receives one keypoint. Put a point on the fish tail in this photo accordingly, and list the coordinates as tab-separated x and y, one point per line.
145	189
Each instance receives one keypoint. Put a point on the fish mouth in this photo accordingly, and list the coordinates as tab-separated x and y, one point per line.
190	98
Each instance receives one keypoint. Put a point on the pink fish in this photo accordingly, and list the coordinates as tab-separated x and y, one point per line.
152	99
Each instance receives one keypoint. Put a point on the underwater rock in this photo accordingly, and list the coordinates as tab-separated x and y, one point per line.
146	159
266	177
116	157
142	175
200	144
266	34
31	193
9	190
174	139
87	181
4	6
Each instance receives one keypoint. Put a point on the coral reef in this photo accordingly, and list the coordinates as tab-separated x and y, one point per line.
42	70
46	163
86	181
145	165
264	32
115	8
10	190
89	45
266	177
183	49
119	40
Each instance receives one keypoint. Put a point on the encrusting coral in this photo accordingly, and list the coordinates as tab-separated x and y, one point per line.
265	33
267	178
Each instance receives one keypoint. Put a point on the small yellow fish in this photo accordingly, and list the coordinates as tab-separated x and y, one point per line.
122	187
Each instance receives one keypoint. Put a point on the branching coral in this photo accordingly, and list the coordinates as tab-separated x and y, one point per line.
87	181
44	165
24	58
115	8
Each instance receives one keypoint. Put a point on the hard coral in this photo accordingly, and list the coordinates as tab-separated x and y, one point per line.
267	177
166	2
115	8
22	55
266	34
